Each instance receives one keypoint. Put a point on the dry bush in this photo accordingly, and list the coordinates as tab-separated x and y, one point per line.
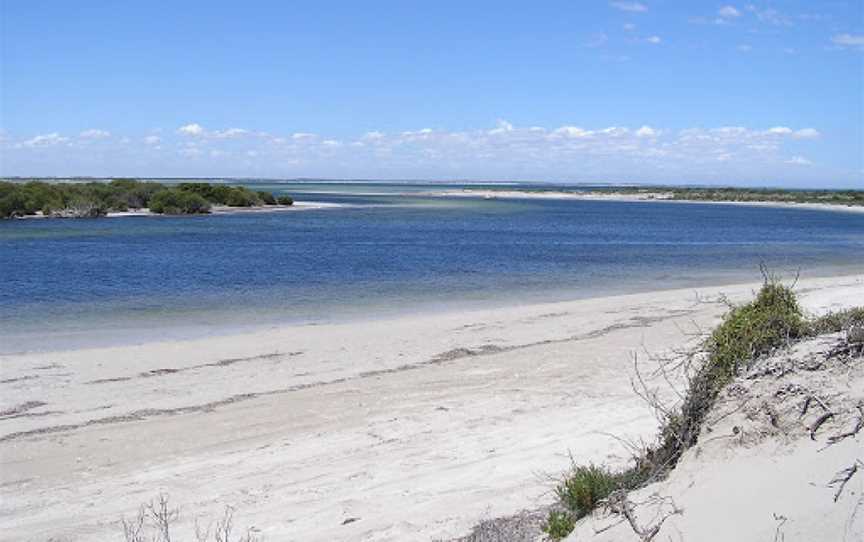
155	522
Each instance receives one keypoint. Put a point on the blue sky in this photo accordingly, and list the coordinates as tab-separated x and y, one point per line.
649	91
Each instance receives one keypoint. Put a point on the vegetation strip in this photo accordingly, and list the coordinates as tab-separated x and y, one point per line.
96	199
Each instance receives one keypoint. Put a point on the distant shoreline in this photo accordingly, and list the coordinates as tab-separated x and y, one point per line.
659	196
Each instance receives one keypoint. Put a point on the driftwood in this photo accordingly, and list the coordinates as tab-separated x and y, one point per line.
619	503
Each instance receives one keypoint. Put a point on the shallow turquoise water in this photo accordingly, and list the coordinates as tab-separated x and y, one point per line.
76	282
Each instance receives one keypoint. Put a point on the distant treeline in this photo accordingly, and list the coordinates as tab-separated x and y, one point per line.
833	197
83	200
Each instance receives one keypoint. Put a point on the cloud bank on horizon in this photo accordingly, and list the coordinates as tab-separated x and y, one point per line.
614	91
504	152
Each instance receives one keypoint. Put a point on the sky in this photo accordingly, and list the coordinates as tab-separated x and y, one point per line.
654	91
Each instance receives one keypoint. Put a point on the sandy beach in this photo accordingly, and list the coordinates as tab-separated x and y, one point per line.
412	428
665	197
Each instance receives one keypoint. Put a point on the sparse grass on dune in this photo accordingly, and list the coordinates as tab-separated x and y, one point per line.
748	332
836	321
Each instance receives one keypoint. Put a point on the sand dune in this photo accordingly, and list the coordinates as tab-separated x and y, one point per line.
778	459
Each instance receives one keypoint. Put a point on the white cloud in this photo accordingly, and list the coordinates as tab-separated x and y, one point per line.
799	161
45	140
229	133
770	16
629	27
572	131
848	40
190	152
615	131
502	150
647	131
744	48
196	130
654	39
502	126
192	129
806	133
94	133
635	7
728	12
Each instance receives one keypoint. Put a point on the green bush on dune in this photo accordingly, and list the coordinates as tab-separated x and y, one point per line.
747	332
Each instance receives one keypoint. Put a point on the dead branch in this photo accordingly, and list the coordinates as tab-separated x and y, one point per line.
818	423
162	516
620	504
808	400
842	478
133	530
648	395
224	526
854	431
778	535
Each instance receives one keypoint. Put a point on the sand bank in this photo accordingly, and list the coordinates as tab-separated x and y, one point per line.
643	197
412	428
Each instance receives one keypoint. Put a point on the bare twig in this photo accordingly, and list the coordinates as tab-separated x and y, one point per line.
620	504
854	431
133	530
778	534
162	516
224	526
843	477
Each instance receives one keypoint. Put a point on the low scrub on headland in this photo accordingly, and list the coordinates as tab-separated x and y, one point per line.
94	199
753	195
747	333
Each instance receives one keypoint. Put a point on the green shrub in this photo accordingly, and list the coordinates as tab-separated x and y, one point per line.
14	203
267	198
220	194
755	329
585	487
834	322
173	201
285	200
214	193
558	525
242	197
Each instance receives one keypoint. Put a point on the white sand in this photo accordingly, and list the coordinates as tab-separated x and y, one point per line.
665	197
418	426
219	210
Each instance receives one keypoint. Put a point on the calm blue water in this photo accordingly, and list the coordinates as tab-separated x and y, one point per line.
77	282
